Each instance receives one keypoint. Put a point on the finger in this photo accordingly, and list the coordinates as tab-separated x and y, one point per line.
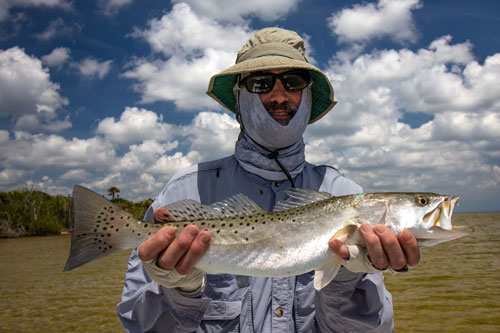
178	248
339	248
410	247
374	247
154	245
195	252
390	244
161	215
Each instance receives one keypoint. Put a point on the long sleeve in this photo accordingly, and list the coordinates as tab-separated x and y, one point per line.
146	306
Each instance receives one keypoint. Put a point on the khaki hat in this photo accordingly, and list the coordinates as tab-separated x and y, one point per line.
273	48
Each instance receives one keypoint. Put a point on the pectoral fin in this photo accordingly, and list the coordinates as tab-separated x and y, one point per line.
325	274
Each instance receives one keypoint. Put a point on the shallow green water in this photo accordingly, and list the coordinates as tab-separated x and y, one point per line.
456	287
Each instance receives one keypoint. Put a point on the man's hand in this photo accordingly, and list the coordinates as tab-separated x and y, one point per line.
181	252
384	248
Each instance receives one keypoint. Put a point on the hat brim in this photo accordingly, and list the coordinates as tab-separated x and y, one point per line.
221	85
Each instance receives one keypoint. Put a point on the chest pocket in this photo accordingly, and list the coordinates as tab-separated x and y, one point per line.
223	313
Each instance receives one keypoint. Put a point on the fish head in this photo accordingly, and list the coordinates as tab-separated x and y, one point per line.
434	212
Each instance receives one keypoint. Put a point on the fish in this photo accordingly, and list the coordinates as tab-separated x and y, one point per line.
250	241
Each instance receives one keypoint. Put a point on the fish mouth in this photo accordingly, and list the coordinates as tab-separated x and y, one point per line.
440	216
438	224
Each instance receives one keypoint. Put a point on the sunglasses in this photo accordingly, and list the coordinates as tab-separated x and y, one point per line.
261	83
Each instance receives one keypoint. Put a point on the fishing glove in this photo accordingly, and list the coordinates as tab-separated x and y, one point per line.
190	285
359	261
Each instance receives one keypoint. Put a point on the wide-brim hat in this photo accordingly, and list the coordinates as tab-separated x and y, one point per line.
273	48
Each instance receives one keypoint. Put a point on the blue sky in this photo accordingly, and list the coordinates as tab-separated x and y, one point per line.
112	92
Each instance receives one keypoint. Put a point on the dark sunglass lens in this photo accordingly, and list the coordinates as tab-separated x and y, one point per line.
295	81
259	84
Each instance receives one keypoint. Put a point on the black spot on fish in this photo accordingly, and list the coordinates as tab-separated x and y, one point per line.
110	246
218	231
139	234
246	239
236	231
104	228
109	235
230	224
202	223
95	230
112	218
213	226
117	229
127	225
263	222
248	224
253	228
145	225
223	224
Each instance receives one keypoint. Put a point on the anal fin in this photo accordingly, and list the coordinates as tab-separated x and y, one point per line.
325	273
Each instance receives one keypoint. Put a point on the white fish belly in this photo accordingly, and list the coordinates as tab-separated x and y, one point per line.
270	257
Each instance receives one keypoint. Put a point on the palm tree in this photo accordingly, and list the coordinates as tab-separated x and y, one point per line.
112	191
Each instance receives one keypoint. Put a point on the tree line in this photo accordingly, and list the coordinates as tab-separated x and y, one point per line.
29	212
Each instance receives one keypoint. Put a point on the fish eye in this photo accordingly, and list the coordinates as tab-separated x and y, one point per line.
422	201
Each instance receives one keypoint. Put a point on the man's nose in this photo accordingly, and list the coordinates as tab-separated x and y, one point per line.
278	93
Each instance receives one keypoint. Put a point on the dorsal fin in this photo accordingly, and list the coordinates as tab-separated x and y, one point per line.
237	205
300	197
190	210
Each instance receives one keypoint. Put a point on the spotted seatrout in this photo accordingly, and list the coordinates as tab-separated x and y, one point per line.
247	240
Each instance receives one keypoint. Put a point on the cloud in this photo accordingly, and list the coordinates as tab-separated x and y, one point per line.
58	57
240	11
26	91
92	68
138	152
457	150
56	28
195	48
135	125
6	5
112	7
387	18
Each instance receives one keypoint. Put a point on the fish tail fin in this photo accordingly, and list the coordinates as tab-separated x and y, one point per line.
99	228
325	274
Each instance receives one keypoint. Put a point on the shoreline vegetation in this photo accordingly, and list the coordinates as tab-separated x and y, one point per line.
28	212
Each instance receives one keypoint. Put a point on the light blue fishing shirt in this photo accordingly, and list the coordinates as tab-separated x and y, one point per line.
352	302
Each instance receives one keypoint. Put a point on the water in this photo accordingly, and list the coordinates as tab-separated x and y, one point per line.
455	288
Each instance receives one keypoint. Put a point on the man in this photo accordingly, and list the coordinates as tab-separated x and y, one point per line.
274	93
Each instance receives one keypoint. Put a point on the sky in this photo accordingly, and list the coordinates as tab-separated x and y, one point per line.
112	92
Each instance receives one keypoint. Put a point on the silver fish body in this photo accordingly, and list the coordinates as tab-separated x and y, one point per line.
247	240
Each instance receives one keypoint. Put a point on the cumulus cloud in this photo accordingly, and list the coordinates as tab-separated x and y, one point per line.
58	57
387	18
457	148
112	7
26	91
92	68
138	152
239	11
6	5
195	48
135	125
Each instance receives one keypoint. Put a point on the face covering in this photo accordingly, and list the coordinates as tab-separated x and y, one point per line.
262	128
262	135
